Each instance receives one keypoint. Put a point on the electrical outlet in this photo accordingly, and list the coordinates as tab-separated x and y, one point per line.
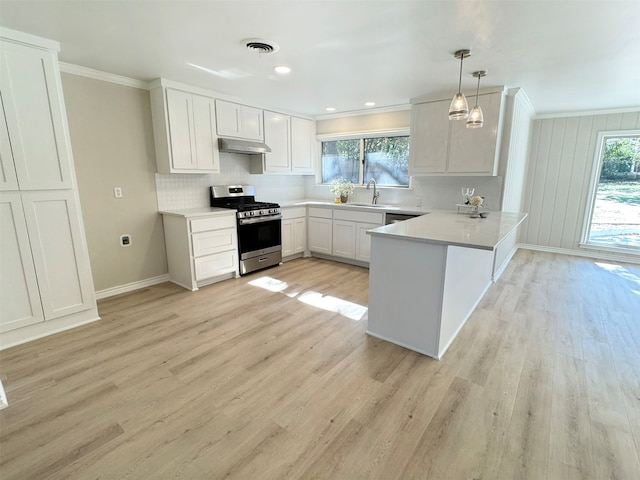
117	192
125	240
418	201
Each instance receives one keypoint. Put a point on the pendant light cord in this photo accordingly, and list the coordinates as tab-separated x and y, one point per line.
478	89
460	80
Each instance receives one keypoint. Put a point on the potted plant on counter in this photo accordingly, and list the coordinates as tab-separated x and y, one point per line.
342	189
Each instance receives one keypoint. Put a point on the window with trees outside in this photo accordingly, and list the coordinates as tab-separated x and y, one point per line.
385	159
613	219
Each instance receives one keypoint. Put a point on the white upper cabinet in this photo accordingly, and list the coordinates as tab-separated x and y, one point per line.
440	146
184	130
292	142
8	178
239	121
303	145
277	137
35	117
429	138
473	150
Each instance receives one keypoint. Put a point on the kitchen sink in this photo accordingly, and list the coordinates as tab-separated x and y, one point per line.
374	205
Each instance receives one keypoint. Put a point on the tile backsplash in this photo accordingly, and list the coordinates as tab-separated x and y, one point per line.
430	192
179	191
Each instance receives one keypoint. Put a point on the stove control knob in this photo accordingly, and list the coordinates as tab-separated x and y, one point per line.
250	213
261	212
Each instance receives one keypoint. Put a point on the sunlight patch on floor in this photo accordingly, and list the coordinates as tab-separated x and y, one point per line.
621	272
326	302
271	284
315	299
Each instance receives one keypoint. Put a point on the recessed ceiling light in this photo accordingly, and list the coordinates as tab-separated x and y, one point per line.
369	104
330	109
282	69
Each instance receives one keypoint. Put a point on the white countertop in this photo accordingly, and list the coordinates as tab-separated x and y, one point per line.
199	212
358	206
451	228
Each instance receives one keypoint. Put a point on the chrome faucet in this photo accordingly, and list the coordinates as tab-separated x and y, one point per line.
376	193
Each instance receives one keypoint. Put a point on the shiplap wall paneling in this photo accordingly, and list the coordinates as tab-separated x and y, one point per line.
561	157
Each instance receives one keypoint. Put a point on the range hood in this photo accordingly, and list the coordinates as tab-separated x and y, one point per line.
242	146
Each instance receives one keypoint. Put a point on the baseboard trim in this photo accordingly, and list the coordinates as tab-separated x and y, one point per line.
595	254
129	287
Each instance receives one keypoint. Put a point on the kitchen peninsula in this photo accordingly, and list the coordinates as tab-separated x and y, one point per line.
428	274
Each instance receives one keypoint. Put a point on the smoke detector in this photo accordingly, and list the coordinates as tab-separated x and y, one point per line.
260	45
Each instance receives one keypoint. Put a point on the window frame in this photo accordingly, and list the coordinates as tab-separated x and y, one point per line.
361	136
596	170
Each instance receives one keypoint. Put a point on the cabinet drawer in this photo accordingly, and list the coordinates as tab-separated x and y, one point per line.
213	223
206	243
354	216
214	265
295	212
320	212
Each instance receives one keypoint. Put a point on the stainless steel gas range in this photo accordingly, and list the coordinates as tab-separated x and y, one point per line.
258	224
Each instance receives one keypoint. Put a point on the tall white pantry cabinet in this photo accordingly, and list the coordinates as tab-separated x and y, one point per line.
45	274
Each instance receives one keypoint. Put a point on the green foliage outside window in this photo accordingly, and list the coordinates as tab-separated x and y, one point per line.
386	159
621	158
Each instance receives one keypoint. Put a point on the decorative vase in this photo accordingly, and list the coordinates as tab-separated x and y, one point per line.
344	197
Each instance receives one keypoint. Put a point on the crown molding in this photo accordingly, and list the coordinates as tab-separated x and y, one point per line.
585	113
104	76
368	111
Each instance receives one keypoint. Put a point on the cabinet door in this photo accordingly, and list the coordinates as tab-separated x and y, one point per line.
8	179
206	140
473	150
363	241
216	241
251	123
299	235
276	135
59	252
303	141
215	265
429	138
36	120
180	112
19	296
344	239
288	238
320	235
227	119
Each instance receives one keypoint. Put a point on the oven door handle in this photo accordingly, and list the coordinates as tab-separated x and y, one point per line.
249	221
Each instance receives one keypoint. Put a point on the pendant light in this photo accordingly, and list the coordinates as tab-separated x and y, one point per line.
459	108
476	119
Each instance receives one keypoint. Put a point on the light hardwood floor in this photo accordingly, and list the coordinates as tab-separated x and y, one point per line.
236	381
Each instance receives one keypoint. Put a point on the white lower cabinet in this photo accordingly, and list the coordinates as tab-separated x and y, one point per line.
294	231
44	272
344	239
363	241
201	250
350	239
320	230
19	295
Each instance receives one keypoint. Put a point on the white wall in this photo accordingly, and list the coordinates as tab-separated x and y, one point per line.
561	157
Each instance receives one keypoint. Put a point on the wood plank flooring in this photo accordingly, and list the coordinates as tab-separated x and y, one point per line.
238	381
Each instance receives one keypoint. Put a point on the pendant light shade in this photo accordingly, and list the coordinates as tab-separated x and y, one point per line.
459	108
476	119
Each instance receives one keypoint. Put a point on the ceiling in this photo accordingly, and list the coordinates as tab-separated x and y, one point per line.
567	55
